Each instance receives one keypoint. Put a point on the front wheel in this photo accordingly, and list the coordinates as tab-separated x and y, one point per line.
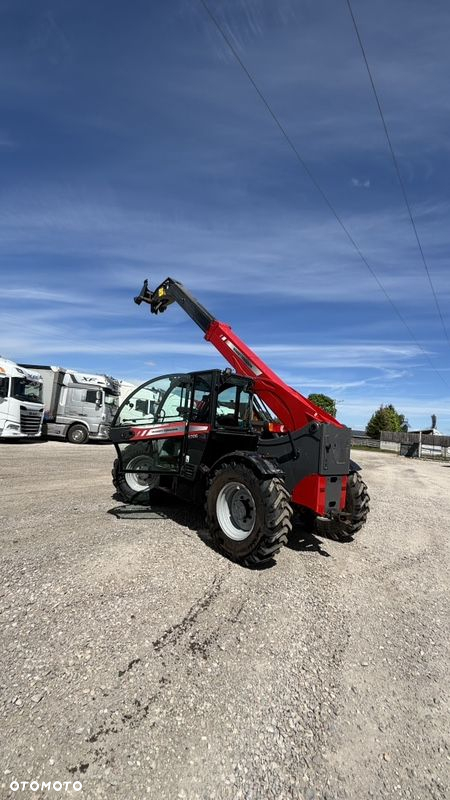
136	486
249	517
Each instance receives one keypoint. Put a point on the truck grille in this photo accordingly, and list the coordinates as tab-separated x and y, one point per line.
29	421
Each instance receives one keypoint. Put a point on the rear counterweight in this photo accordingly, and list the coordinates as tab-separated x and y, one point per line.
316	462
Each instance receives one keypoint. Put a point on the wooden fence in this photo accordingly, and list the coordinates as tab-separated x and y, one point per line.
365	441
416	445
410	444
413	438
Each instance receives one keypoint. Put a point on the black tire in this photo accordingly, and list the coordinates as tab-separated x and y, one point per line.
249	517
77	434
357	505
135	488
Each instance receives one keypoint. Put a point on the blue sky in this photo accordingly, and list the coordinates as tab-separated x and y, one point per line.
132	145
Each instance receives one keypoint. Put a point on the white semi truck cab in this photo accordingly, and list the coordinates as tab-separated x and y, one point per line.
21	402
78	406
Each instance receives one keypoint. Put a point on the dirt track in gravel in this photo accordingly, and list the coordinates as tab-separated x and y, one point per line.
137	660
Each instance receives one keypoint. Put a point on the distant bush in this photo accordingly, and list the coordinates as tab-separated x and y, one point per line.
386	418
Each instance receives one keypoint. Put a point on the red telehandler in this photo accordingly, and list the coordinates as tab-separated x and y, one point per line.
242	441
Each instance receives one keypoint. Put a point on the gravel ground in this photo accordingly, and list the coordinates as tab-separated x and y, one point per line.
139	662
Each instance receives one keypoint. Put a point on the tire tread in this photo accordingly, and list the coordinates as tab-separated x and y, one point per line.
278	515
358	505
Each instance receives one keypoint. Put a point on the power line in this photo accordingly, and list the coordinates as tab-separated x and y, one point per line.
397	169
314	181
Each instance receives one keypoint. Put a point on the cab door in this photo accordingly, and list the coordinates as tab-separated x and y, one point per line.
199	421
219	420
151	424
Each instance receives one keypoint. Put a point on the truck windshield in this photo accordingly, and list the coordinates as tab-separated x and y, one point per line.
24	389
111	400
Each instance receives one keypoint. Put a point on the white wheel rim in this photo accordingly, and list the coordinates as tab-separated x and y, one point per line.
236	511
141	480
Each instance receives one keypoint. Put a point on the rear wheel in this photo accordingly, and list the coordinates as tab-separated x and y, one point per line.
77	434
357	506
135	487
249	517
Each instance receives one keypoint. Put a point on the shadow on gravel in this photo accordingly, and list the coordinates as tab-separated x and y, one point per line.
302	538
18	442
188	516
165	506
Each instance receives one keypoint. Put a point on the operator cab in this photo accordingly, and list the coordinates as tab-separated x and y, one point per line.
172	425
220	399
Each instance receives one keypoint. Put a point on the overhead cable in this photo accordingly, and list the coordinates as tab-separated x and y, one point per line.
397	170
314	181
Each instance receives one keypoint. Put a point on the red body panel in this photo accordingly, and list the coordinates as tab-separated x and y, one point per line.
311	492
170	429
343	493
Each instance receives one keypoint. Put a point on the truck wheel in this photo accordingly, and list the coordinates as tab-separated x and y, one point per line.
357	505
249	517
77	434
135	487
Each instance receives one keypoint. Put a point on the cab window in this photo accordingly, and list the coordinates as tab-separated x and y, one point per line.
201	400
174	405
161	400
233	407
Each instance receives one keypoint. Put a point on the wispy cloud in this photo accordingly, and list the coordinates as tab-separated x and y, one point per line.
361	184
28	293
44	334
311	253
383	377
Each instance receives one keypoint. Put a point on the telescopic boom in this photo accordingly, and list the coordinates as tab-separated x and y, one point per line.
292	408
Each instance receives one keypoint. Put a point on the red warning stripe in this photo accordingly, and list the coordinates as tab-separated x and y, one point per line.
170	429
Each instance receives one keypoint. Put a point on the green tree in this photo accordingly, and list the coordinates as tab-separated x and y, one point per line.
386	418
325	402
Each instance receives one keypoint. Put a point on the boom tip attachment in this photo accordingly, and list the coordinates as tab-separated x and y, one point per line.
144	295
157	300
